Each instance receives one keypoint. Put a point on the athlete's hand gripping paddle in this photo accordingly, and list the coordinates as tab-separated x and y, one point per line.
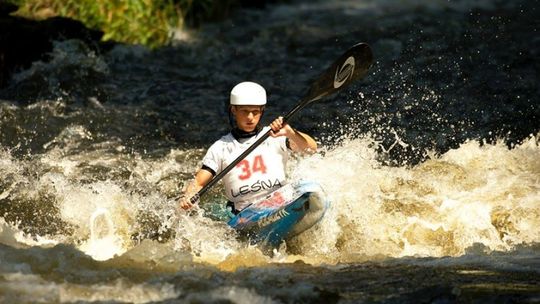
352	65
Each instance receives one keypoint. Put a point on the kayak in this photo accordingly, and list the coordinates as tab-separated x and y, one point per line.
283	214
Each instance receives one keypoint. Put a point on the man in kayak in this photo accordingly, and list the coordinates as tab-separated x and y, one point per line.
263	170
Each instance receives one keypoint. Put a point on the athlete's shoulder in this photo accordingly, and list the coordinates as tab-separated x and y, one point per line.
224	141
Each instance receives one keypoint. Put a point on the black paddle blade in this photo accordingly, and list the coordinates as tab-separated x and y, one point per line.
352	65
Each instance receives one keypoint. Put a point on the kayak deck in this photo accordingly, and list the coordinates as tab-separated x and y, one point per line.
283	214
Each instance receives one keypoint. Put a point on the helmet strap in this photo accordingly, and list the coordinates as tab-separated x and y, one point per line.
232	123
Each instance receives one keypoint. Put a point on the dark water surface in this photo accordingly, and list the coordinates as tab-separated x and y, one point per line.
431	162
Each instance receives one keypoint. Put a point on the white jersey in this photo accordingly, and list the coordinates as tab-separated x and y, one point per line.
260	173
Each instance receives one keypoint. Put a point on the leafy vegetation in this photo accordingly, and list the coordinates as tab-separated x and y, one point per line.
147	22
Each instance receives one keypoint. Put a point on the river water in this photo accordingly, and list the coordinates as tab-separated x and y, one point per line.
432	162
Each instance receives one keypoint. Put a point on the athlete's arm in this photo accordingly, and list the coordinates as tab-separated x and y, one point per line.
202	178
299	142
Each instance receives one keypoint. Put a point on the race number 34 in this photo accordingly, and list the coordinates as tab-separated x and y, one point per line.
248	169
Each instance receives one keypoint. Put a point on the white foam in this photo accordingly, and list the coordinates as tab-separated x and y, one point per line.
474	194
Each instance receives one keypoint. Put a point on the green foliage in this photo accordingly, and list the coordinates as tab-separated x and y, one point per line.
147	22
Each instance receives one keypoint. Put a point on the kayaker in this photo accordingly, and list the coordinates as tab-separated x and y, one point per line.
263	170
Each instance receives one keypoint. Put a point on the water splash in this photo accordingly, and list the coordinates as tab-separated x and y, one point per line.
103	243
485	194
477	193
91	132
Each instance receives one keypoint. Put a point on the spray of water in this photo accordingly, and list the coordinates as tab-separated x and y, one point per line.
476	193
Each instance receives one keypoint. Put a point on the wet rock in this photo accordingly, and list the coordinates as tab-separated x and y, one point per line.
7	8
23	41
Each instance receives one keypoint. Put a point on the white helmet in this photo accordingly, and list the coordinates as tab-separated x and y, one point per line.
248	93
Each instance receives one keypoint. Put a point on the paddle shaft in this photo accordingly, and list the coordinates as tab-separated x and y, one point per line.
226	170
352	65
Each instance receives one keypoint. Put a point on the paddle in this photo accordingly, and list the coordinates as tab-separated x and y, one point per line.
352	65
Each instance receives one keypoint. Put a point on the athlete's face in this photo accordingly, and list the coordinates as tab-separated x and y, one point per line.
247	117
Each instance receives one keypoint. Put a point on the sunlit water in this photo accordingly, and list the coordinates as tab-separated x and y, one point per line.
485	196
94	159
